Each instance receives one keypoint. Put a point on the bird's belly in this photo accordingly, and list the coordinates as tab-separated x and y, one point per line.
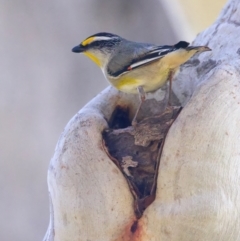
148	77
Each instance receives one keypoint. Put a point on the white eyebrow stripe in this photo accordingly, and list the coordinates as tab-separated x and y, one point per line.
99	38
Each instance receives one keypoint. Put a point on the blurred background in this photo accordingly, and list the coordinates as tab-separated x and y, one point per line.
43	84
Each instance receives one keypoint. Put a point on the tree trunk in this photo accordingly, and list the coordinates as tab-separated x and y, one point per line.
197	195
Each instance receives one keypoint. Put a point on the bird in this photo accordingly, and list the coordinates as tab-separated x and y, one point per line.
135	67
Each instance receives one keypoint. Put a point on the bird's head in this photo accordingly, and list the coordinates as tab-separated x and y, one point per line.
99	47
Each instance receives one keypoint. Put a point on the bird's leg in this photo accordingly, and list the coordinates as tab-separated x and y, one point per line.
142	98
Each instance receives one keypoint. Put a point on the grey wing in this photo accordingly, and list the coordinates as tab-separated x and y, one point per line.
133	55
126	54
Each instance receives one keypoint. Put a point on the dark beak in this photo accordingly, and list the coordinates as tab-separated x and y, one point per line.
78	49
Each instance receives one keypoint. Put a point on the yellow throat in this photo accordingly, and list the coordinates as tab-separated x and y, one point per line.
93	58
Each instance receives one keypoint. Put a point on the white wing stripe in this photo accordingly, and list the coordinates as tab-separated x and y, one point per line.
143	62
156	51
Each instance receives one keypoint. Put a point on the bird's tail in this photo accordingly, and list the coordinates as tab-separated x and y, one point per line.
185	45
199	48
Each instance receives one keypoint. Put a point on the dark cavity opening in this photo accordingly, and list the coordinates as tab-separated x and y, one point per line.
120	118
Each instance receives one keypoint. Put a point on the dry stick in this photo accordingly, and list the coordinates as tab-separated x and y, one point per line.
142	98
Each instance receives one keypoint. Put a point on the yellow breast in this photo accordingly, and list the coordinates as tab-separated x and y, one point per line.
128	84
150	78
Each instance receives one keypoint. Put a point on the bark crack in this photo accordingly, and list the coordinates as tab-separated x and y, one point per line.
137	151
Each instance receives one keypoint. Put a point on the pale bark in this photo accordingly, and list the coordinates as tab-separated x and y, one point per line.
198	194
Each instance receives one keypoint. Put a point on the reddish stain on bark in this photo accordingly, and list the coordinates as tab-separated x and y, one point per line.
133	231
